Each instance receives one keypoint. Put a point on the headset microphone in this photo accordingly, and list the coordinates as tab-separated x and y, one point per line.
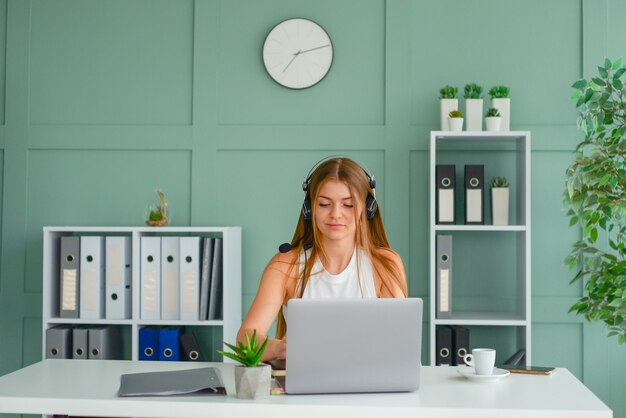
286	247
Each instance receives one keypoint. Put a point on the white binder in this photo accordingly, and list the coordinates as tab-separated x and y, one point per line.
118	278
92	278
190	278
170	282
150	277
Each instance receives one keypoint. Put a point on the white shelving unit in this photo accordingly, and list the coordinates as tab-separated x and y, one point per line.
231	292
459	148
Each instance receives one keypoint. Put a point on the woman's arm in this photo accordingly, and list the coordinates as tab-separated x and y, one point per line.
266	305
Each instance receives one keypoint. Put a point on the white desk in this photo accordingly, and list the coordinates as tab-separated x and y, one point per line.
89	388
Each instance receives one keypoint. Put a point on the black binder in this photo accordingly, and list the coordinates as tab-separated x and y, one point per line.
474	195
444	346
460	344
446	182
189	347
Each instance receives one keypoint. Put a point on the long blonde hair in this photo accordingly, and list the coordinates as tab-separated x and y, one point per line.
370	233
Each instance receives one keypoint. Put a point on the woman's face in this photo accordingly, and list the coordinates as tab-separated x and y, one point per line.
336	211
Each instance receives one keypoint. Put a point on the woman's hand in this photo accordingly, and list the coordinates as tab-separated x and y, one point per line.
276	350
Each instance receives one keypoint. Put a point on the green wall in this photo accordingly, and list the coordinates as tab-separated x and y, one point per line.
103	102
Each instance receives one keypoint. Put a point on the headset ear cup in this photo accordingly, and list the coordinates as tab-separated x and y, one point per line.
306	209
371	207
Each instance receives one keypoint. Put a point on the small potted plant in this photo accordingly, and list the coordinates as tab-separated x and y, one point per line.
448	102
493	120
455	121
473	107
499	201
252	378
501	101
158	216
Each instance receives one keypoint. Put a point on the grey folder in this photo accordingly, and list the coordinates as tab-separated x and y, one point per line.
215	295
205	277
118	278
91	277
104	343
444	276
69	277
59	342
80	343
181	382
353	345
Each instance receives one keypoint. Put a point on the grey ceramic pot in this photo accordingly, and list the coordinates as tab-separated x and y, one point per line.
253	382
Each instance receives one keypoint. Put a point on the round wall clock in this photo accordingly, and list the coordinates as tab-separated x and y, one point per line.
297	53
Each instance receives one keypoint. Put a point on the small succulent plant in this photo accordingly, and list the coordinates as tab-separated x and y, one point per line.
492	113
472	91
248	354
448	92
497	182
456	114
499	92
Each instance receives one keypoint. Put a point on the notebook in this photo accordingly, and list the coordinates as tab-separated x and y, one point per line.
203	381
353	345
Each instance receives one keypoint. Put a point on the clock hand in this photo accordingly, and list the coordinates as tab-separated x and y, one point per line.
313	49
294	57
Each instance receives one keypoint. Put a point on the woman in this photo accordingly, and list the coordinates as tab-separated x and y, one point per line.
339	249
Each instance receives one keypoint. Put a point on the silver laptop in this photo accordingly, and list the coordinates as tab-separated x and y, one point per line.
353	345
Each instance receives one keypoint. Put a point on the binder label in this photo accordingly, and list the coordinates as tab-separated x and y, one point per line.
114	261
69	290
189	292
170	290
443	294
150	291
474	205
90	294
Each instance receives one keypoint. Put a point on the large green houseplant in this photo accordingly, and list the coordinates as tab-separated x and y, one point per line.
595	197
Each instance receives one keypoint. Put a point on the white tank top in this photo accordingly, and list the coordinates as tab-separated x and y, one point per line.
322	284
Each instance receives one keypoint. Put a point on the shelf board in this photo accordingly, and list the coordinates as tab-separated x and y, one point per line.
90	321
479	135
515	228
484	318
178	322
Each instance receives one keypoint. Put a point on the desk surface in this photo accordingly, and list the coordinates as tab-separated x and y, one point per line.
89	388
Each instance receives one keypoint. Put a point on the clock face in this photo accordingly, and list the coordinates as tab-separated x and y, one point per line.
297	53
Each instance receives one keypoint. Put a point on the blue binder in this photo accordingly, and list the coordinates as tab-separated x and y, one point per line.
148	344
168	344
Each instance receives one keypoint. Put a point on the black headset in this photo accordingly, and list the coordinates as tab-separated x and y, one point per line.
371	205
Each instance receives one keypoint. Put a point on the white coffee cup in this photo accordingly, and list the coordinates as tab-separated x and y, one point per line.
482	360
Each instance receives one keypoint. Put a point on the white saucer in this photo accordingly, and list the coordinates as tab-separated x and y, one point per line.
470	373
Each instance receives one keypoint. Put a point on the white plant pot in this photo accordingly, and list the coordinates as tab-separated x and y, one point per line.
504	107
455	124
500	205
447	106
474	114
253	382
493	123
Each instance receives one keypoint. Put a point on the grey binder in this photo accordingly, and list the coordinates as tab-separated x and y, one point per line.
69	277
91	277
104	343
215	296
444	276
59	342
118	278
205	277
80	343
207	380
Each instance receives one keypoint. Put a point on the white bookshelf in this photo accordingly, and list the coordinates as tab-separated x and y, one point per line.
454	148
231	292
